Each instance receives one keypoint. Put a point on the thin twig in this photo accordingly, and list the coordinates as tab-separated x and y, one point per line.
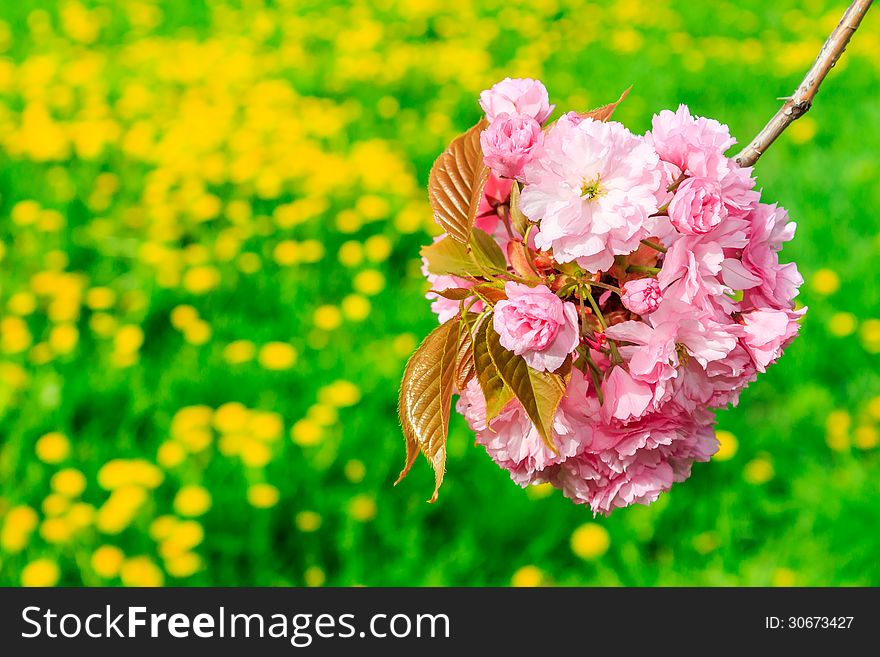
800	101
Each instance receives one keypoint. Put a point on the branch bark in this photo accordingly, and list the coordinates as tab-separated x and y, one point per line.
798	104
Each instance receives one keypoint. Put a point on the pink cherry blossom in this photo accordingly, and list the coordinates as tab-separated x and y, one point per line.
695	145
517	96
767	332
642	295
509	143
536	324
591	188
697	207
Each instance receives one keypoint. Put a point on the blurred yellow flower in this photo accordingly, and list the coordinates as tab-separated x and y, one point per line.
22	303
41	572
53	447
107	560
355	307
306	432
308	521
803	130
231	417
100	298
784	577
161	527
277	356
262	496
842	324
197	333
758	471
264	425
170	454
355	471
351	253
286	253
404	345
527	577
69	481
377	248
201	279
183	315
183	565
825	282
870	334
590	541
706	542
55	531
140	572
340	394
314	576
20	522
15	336
539	491
369	282
25	213
128	339
837	428
323	414
192	501
362	508
239	351
727	446
63	338
327	318
55	504
866	437
118	473
255	454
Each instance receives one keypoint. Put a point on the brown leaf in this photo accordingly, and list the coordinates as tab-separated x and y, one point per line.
425	396
604	113
454	293
521	260
456	184
464	363
491	292
495	392
538	392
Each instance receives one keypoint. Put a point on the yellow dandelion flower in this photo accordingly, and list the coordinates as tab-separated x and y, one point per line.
183	315
870	334
239	351
263	496
25	213
340	394
362	508
53	447
186	535
866	437
539	491
69	481
192	501
842	325
100	298
15	336
527	577
825	282
308	521
803	130
306	433
183	565
103	325
311	251
355	471
314	576
706	542
197	333
128	339
140	572
727	446
286	253
837	428
758	471
255	454
170	454
162	527
107	560
277	356
63	338
351	253
590	541
55	504
81	515
355	307
265	425
377	248
55	531
322	414
201	279
40	572
22	304
369	282
404	344
327	318
231	417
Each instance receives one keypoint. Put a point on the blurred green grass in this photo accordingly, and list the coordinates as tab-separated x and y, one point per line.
252	160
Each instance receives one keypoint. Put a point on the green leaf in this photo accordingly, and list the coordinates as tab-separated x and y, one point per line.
496	393
425	397
456	182
449	257
487	252
538	392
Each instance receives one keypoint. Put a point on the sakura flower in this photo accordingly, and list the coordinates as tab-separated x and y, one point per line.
591	188
767	332
509	142
697	207
695	145
641	296
536	324
517	96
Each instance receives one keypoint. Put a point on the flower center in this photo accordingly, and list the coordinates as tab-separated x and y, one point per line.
590	188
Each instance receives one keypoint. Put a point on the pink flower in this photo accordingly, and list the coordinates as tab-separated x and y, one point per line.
513	441
767	332
509	142
696	208
694	144
591	188
536	324
641	296
445	308
517	96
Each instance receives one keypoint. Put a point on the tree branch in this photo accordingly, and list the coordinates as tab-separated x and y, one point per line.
800	101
